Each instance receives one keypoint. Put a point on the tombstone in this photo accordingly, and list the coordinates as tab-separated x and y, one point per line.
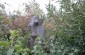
40	29
36	28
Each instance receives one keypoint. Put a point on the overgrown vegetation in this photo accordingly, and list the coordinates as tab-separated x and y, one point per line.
64	34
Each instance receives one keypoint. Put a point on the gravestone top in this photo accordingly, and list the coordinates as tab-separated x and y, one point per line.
36	27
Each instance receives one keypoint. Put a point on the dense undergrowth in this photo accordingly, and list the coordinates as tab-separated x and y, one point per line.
64	34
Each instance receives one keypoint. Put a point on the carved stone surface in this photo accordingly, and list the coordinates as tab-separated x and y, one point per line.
37	30
35	27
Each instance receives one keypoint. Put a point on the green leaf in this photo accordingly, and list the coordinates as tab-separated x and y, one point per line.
4	43
18	47
26	49
1	17
59	50
10	51
14	33
71	54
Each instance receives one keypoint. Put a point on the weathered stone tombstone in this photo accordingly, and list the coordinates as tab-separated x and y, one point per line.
37	30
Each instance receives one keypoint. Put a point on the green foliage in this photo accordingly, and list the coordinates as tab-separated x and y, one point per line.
67	39
1	17
4	43
14	33
10	51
